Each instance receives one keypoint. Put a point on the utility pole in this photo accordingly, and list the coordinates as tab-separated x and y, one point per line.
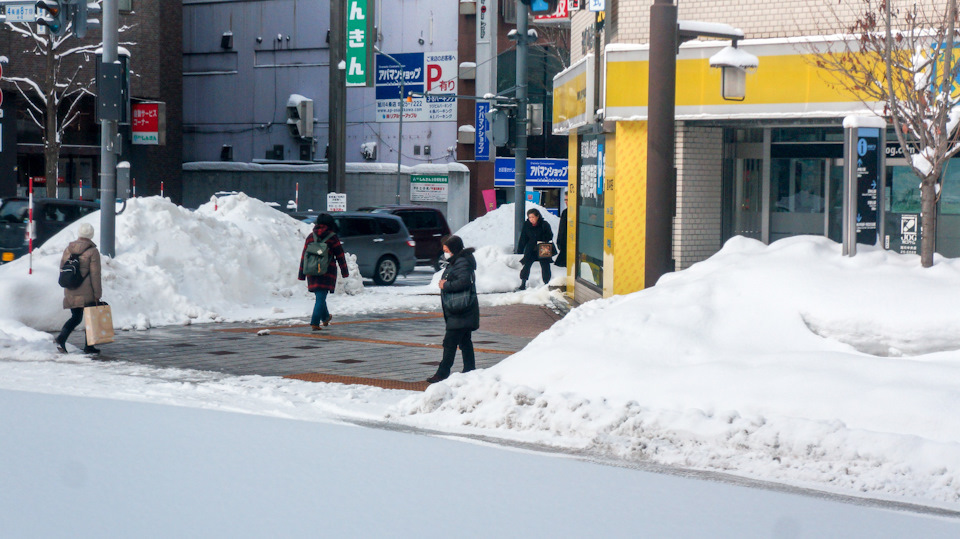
108	131
661	189
403	98
337	102
520	150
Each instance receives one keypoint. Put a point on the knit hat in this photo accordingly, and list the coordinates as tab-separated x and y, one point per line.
85	231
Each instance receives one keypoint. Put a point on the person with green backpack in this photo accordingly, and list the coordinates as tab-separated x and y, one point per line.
322	253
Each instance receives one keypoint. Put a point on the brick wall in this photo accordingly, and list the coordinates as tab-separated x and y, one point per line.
697	226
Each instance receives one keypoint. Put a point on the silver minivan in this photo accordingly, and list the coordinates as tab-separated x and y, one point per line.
381	243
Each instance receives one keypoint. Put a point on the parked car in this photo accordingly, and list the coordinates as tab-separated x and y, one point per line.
382	245
428	227
50	215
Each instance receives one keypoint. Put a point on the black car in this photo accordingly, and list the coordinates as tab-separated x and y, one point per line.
428	227
50	215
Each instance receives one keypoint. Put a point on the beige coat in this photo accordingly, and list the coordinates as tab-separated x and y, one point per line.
89	291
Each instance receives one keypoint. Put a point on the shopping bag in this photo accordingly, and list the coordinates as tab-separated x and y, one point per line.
99	322
545	249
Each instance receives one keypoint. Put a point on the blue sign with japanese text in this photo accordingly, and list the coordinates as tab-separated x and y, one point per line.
481	145
540	172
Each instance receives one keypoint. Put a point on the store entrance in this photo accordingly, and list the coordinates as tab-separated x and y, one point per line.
806	198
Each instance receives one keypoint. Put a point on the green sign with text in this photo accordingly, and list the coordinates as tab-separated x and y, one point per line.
360	39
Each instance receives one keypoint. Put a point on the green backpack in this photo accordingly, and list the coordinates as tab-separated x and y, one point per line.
316	258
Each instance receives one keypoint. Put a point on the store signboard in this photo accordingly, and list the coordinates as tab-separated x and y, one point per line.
432	73
359	42
149	123
540	172
482	142
336	202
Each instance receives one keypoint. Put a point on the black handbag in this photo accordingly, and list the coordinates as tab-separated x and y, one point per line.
459	302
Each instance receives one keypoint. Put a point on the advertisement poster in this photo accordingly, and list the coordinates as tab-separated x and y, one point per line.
433	73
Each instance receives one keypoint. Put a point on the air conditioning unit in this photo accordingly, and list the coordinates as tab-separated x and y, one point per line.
300	116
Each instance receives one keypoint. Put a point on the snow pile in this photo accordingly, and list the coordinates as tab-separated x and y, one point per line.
786	362
174	265
498	268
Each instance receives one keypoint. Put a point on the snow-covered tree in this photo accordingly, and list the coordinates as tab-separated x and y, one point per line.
903	55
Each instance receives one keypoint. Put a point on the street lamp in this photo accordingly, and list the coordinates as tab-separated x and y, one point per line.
400	134
734	64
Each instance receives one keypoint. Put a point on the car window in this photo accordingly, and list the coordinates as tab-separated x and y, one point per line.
13	211
389	226
428	219
408	218
356	226
84	210
61	213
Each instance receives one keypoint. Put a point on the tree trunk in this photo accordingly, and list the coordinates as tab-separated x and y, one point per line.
51	142
928	220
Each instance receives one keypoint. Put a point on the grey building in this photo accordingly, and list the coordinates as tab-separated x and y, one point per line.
243	60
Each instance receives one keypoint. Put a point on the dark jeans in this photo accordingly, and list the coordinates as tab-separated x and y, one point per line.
453	339
544	269
320	312
76	315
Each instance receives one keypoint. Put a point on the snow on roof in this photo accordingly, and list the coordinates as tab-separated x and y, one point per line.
709	28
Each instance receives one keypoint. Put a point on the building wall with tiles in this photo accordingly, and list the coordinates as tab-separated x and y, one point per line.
698	224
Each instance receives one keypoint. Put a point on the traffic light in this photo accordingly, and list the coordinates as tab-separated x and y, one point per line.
81	10
55	18
541	7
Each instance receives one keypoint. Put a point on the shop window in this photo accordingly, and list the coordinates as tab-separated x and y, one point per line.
950	190
905	195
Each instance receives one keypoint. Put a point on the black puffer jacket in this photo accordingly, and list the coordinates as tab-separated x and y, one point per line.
460	275
529	237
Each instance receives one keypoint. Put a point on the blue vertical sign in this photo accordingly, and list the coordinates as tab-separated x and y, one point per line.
481	145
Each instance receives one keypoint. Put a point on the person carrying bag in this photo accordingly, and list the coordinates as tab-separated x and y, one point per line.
87	293
461	307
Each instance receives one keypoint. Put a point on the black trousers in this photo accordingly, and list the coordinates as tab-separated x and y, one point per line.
76	315
457	338
544	269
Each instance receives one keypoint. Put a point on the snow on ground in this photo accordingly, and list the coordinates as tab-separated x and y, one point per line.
233	260
787	362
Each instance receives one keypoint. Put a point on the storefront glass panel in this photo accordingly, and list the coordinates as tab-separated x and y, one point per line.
590	211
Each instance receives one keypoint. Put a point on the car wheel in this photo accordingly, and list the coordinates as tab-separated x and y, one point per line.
386	271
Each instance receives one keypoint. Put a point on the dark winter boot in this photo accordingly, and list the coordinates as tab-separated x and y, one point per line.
90	350
61	346
523	285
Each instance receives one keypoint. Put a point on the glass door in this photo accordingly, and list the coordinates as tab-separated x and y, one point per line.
797	197
747	196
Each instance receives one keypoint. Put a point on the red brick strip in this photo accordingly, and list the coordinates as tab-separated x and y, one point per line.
356	380
330	337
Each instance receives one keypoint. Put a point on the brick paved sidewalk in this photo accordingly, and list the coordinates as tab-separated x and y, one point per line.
395	350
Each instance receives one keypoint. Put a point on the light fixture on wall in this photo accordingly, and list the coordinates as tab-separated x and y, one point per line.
733	64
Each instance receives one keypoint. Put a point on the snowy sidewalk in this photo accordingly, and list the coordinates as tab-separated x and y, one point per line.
393	350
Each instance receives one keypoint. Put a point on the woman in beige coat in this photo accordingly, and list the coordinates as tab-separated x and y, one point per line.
89	291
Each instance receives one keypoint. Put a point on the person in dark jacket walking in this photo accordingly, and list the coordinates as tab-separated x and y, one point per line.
535	229
90	290
562	236
459	275
325	229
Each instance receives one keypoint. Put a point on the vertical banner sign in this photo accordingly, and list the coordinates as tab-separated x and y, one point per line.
482	142
868	178
359	43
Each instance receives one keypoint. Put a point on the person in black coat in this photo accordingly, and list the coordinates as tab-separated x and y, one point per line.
562	236
535	229
459	275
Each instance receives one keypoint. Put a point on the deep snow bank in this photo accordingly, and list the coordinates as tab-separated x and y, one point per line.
786	362
174	265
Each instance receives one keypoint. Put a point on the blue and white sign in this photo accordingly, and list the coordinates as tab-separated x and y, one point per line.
597	5
434	73
22	12
540	172
481	146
